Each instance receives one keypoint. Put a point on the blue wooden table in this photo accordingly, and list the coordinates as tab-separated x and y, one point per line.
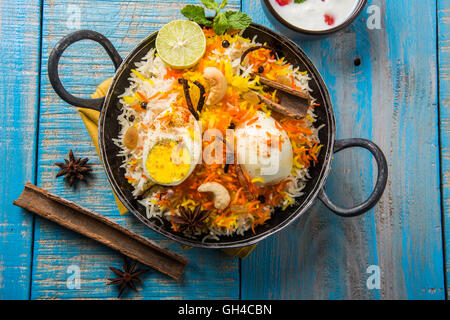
398	96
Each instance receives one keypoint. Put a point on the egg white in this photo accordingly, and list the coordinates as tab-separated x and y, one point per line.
267	165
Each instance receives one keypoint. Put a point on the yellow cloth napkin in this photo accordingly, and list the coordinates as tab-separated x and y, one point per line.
90	120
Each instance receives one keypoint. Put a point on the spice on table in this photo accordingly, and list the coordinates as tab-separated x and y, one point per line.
73	168
127	278
95	226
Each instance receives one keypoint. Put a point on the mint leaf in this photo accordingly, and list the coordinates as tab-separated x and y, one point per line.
210	4
196	14
238	20
223	4
299	1
221	24
223	21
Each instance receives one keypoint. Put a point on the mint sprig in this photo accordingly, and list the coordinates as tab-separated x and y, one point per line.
222	21
196	14
210	4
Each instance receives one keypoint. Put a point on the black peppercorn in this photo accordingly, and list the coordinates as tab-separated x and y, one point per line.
261	198
131	118
225	43
144	105
260	69
232	126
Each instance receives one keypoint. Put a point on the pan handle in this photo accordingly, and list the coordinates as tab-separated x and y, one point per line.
53	63
379	186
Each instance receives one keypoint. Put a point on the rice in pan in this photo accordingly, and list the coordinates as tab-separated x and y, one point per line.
215	189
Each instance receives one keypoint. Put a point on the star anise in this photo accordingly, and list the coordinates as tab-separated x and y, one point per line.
189	219
73	168
127	277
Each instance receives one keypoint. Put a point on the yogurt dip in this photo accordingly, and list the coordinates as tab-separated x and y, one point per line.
315	15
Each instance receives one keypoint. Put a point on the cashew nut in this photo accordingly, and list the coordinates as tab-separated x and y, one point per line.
251	97
284	80
130	140
220	193
218	85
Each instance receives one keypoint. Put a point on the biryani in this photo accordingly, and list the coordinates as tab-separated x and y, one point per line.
203	151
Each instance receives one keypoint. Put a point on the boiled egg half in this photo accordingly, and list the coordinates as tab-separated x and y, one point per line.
264	150
173	147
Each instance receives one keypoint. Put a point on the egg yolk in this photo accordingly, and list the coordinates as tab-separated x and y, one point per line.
168	162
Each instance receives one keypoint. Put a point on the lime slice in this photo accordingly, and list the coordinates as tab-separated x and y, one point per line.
181	44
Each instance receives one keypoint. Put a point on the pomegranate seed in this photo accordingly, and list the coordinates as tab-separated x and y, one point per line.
283	2
329	19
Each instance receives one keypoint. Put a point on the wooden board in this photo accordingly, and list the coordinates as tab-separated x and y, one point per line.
444	108
390	98
210	274
19	73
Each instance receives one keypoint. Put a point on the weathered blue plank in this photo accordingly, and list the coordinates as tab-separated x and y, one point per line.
403	236
210	274
19	73
390	98
444	107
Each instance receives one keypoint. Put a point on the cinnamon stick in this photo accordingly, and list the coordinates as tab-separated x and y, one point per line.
293	103
74	217
285	88
291	109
